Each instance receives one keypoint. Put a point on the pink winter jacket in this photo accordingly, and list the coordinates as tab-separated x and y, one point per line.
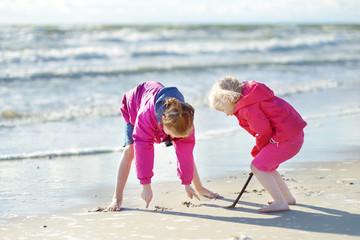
266	116
138	109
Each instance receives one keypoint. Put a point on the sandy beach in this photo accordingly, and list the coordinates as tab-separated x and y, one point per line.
61	131
327	193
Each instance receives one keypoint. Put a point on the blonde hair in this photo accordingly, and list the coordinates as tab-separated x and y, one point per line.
227	89
179	117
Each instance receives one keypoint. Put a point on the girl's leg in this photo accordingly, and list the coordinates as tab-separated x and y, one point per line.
199	187
122	176
269	183
283	188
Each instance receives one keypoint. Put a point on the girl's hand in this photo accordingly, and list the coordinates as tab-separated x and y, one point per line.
147	194
191	192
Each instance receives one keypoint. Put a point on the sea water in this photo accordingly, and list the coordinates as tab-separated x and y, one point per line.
61	132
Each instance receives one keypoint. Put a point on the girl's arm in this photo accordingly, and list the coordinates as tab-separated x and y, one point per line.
246	126
259	124
184	151
144	131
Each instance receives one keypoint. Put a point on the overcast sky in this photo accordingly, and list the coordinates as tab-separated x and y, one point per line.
179	11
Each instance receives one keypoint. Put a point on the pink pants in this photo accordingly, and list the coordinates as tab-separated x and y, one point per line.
269	158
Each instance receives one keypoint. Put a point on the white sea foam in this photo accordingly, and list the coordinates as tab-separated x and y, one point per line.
10	118
335	113
60	153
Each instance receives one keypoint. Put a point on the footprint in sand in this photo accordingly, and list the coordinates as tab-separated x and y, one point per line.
158	208
190	204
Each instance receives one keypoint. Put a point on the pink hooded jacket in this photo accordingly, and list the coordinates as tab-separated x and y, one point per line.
266	116
138	109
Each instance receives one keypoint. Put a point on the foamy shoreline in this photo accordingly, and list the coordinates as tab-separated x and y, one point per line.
327	207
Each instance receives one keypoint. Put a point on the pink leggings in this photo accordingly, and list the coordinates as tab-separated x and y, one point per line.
272	154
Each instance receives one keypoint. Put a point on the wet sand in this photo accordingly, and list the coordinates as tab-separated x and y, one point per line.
327	194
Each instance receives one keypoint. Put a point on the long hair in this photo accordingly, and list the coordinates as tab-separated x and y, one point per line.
179	117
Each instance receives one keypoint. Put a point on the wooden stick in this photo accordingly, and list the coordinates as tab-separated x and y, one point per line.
242	191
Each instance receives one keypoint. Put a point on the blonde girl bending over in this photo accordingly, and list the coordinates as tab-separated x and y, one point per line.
276	126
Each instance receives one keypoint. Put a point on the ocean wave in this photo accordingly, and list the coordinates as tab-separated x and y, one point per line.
86	71
56	55
9	114
60	153
67	43
302	43
156	53
11	118
335	113
175	49
317	86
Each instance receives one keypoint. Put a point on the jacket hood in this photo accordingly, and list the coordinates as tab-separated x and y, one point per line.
253	92
160	100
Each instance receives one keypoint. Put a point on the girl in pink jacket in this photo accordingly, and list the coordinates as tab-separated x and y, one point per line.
276	126
156	114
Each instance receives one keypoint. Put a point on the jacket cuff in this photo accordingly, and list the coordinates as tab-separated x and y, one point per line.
184	182
254	151
145	181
